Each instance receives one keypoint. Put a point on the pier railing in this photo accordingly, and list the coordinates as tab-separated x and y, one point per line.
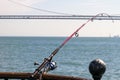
27	76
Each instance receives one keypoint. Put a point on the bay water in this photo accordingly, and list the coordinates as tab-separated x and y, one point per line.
18	54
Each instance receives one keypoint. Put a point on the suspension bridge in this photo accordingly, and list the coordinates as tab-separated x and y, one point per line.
66	17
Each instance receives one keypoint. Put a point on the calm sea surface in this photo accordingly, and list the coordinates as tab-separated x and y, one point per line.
17	54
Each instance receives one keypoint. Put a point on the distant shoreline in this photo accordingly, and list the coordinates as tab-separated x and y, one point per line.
64	36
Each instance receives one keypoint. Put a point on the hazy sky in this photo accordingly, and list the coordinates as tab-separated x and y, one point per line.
59	27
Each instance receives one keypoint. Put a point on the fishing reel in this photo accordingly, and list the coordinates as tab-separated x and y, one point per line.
50	66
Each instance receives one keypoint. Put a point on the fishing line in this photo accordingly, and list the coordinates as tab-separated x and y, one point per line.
64	42
91	19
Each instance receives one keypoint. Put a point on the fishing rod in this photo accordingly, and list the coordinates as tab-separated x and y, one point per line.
46	60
